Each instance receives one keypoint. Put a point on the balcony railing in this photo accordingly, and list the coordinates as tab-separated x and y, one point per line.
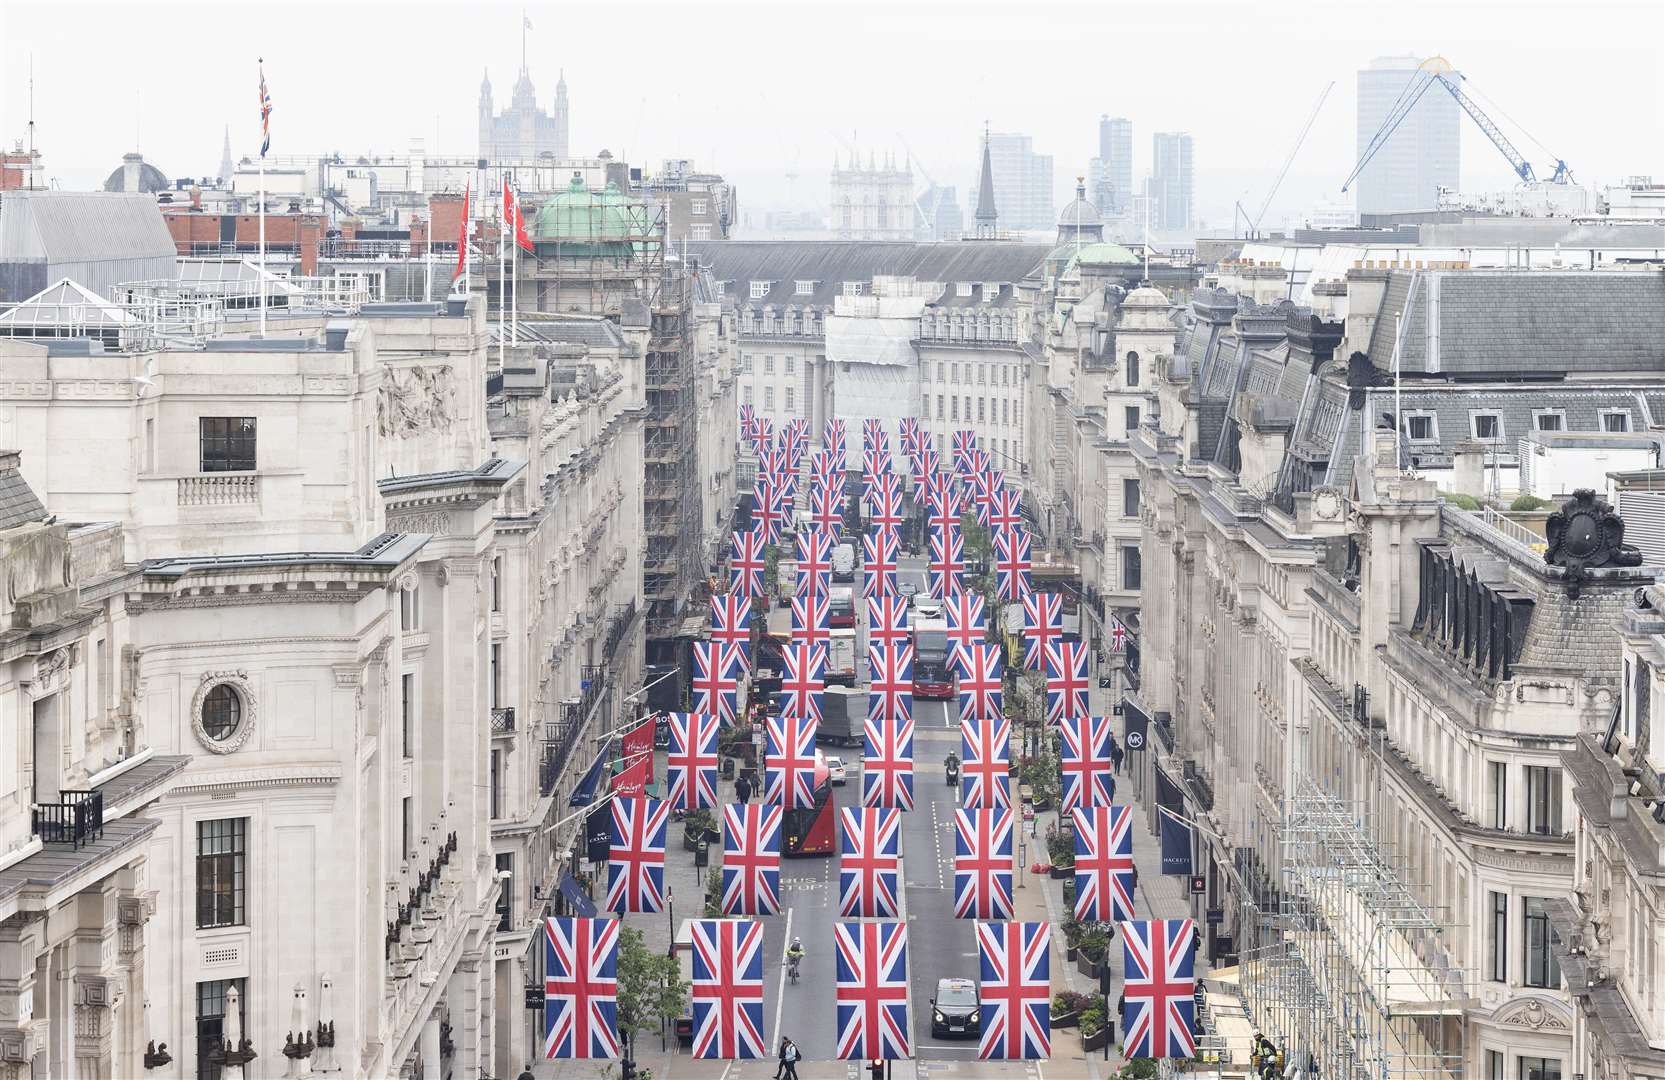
77	818
503	721
219	489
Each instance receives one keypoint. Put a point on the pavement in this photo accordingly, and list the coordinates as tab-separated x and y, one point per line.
940	945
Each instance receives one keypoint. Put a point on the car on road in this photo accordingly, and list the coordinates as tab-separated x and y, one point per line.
954	1008
836	772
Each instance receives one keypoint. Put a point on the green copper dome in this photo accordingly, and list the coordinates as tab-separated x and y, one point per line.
579	219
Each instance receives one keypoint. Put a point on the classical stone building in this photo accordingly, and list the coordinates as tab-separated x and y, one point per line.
873	202
1360	692
523	130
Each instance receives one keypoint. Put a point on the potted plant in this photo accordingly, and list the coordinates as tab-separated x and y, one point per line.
1094	1032
1060	847
1067	1007
698	825
1093	945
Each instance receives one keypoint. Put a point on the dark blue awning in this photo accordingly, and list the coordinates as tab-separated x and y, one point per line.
577	902
584	793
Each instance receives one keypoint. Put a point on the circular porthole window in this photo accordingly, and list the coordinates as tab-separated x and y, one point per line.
222	716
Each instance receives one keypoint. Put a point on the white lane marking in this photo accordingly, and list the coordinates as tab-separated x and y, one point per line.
780	987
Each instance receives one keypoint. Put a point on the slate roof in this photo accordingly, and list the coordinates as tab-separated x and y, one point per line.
1511	322
830	263
80	226
597	333
19	504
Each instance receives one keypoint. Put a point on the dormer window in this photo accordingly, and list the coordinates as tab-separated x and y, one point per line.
962	289
803	288
852	288
991	292
1487	426
760	289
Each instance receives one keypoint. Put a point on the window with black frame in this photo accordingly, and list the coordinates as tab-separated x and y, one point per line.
1497	938
211	1020
1542	969
1543	800
222	872
1537	1068
227	443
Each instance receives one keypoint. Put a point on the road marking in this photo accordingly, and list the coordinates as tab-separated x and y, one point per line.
780	988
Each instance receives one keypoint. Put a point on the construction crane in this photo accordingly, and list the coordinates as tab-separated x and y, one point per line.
927	216
1436	69
1253	231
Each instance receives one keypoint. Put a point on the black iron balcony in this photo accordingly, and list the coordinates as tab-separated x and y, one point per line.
77	818
503	721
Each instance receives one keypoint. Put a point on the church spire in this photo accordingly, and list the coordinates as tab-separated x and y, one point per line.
986	215
225	157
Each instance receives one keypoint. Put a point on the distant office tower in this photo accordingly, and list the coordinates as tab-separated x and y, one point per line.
872	203
1422	154
1110	175
1172	183
1022	182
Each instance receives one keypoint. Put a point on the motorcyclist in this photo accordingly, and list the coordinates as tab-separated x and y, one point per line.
951	762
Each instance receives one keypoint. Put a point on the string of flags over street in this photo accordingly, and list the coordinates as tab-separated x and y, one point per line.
873	1012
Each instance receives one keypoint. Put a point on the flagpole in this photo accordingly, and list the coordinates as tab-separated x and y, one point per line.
502	263
514	304
263	242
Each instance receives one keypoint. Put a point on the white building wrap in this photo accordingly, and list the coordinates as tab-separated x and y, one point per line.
875	367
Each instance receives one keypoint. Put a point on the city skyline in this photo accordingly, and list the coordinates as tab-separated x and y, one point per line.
654	115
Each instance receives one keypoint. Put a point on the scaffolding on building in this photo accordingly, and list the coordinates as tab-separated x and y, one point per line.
1343	965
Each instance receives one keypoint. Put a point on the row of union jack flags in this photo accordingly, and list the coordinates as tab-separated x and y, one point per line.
872	1007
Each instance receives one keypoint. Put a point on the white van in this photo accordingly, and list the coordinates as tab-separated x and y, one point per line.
844	563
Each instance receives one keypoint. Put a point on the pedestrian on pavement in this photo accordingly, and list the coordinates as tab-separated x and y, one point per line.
781	1056
789	1057
1135	887
743	787
1116	755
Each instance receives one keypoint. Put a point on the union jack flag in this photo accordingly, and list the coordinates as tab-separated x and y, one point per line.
983	864
763	434
1014	990
789	770
832	436
869	861
880	549
978	462
797	440
1159	1013
964	443
771	464
942	502
985	769
716	679
580	987
1011	564
875	465
978	483
731	622
1043	627
966	626
636	863
1003	509
910	433
1088	780
1103	863
746	563
890	693
947	562
873	436
887	761
1118	635
811	619
826	506
727	988
803	679
872	991
823	465
266	115
691	764
887	620
815	547
979	669
751	859
748	417
1066	681
885	501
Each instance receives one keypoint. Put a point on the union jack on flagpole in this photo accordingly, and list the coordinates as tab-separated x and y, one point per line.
1014	990
580	986
872	990
1159	1011
983	864
265	114
869	861
726	988
1104	873
636	861
751	859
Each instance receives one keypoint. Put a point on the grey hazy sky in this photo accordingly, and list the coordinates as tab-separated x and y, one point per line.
760	89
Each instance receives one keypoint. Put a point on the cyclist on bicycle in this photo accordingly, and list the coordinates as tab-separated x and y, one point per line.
795	956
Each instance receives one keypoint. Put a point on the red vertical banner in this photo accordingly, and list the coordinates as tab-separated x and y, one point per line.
638	748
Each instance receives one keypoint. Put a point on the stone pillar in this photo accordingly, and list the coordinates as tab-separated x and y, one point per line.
21	1035
430	1047
95	987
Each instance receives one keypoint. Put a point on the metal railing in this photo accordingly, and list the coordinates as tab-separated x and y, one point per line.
77	818
1513	529
503	721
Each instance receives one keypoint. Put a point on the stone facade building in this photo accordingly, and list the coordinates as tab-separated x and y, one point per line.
873	202
523	130
1368	699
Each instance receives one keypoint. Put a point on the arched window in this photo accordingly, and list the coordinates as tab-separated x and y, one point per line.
1132	368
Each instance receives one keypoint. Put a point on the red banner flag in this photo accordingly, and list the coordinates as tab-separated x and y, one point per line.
462	240
638	747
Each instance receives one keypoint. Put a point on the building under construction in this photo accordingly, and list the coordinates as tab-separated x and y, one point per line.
603	253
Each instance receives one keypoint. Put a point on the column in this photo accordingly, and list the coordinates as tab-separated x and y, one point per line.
430	1048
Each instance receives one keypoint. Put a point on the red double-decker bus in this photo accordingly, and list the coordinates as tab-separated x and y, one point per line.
809	831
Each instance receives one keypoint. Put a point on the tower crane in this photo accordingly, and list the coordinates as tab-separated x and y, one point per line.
927	216
1436	69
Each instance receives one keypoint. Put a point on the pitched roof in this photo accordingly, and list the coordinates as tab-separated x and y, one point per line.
827	264
19	504
1513	322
